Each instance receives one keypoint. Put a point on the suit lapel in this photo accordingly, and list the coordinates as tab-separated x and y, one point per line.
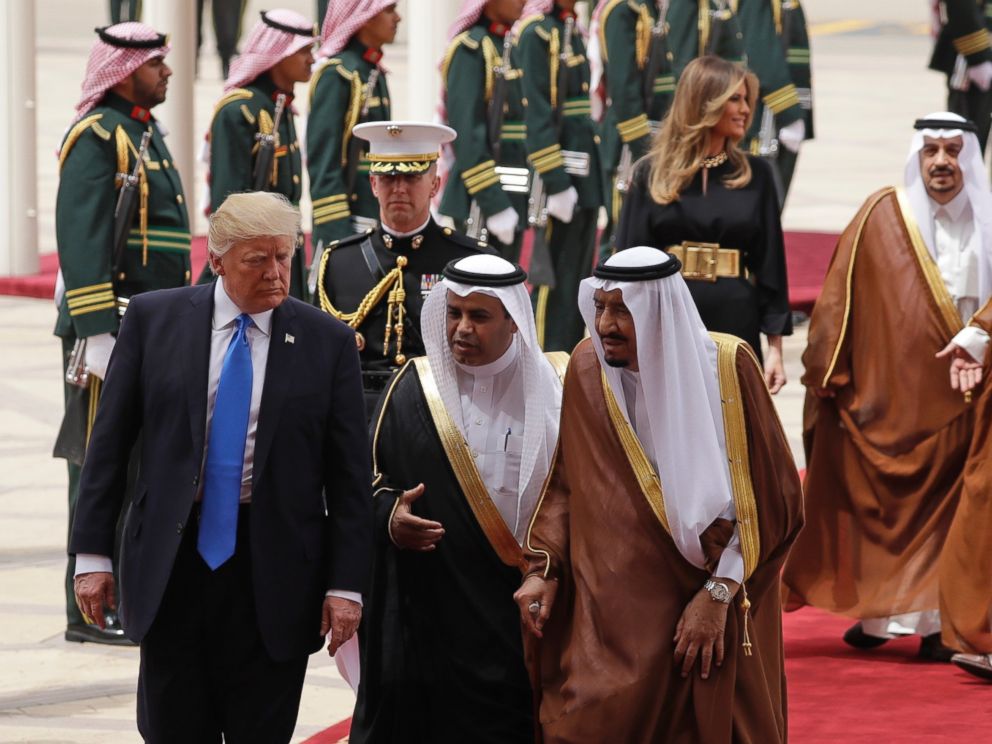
197	326
278	379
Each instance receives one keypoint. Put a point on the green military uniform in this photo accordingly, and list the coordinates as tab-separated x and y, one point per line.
964	34
793	32
625	37
101	145
373	279
571	245
698	27
238	117
336	101
469	81
125	10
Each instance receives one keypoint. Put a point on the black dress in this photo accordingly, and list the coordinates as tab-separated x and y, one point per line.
746	219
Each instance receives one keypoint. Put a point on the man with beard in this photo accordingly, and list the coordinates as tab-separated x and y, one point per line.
885	437
126	77
462	445
658	541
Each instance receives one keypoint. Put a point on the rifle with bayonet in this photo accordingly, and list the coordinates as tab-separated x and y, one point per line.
542	270
474	226
267	143
355	143
127	205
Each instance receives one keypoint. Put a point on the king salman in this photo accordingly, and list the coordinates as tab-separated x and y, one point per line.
653	557
885	436
463	440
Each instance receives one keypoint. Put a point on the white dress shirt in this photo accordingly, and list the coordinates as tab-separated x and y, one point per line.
492	409
958	244
731	565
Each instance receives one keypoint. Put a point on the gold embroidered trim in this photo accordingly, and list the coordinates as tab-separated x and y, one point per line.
537	508
75	133
603	20
559	363
376	474
463	465
647	479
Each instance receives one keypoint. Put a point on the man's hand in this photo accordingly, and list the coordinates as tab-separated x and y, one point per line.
340	617
410	532
699	633
535	598
94	591
774	368
966	373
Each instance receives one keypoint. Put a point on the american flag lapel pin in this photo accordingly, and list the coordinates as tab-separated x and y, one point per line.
290	338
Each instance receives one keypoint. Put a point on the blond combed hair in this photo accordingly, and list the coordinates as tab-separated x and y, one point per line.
677	154
255	214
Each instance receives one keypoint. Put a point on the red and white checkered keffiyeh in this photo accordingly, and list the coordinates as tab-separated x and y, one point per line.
266	47
467	17
343	20
109	65
532	7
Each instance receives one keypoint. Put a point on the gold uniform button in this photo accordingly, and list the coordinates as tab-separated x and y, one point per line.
179	199
187	279
296	179
165	163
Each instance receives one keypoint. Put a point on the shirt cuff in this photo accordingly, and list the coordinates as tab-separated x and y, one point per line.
341	594
731	565
91	563
973	340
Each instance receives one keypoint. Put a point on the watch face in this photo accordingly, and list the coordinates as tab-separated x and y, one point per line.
719	592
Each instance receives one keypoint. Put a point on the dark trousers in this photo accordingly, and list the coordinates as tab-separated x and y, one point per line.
976	105
204	670
556	311
227	16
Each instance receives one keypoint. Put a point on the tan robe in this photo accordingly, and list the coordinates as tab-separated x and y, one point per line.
605	669
966	562
885	456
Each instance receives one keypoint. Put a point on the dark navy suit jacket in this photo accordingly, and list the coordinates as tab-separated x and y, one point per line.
311	503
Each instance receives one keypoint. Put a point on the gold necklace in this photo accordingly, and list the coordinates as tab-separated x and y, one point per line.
715	160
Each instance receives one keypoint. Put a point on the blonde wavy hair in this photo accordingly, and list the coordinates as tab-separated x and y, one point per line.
677	154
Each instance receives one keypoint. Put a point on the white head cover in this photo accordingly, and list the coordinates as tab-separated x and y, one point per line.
403	147
467	17
119	51
532	7
676	360
277	35
344	19
503	280
594	52
976	186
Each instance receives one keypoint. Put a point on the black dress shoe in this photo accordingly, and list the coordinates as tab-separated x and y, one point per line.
977	664
931	649
110	636
856	636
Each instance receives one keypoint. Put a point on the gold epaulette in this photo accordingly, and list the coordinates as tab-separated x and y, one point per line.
523	23
318	71
463	39
603	20
76	132
238	94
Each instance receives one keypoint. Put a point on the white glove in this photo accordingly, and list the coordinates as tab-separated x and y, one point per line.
503	224
98	349
981	75
792	135
59	289
561	206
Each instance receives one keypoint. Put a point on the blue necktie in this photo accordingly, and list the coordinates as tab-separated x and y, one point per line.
226	452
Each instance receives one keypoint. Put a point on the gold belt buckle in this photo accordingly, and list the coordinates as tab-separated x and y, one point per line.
700	260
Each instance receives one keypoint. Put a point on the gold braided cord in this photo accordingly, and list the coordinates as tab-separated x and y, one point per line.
553	48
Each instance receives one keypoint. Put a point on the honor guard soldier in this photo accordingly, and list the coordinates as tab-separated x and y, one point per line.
113	161
348	87
632	85
486	190
562	149
246	150
793	31
376	281
963	53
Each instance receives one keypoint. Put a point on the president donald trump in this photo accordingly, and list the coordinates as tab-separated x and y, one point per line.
249	534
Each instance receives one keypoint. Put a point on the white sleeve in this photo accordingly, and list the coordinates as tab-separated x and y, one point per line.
341	594
973	340
90	563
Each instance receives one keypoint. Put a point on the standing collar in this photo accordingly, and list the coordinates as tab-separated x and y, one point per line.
396	234
369	54
225	311
126	107
493	368
497	29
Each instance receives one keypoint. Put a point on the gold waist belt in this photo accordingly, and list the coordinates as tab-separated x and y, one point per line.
706	261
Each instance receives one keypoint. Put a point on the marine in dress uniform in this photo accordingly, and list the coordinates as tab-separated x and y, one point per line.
563	151
276	55
126	76
354	33
963	52
626	34
474	80
376	281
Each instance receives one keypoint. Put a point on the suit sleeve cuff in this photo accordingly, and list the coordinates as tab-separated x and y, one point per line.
341	594
973	340
91	563
731	565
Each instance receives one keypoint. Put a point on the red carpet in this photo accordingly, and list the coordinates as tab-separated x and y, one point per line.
838	694
807	254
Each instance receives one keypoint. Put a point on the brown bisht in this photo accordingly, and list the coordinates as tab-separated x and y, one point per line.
884	455
605	669
966	562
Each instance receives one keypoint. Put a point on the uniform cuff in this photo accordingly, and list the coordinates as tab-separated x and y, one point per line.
92	563
731	565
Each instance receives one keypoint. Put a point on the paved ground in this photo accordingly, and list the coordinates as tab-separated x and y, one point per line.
871	83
